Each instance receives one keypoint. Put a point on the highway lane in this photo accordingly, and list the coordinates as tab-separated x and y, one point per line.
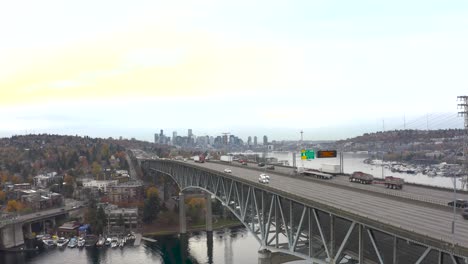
432	222
421	193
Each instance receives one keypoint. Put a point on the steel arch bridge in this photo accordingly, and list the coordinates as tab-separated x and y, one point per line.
283	222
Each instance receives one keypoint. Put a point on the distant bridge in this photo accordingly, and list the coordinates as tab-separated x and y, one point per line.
12	230
325	222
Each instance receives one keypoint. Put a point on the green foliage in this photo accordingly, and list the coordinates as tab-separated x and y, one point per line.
151	208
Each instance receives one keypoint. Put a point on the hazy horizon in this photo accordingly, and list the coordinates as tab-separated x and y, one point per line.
332	69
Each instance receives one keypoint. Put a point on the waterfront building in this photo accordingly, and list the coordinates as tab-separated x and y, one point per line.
127	192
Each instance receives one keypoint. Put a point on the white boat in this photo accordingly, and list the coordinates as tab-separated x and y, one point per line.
115	242
101	241
108	241
62	242
81	242
49	243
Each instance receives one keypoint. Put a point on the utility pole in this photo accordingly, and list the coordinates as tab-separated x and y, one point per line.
464	113
383	144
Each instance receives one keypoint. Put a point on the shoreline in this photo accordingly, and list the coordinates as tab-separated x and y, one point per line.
174	230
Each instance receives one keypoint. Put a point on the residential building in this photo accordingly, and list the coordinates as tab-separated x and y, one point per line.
43	180
128	215
127	192
100	185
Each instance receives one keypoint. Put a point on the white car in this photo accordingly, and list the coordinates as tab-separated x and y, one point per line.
227	170
264	178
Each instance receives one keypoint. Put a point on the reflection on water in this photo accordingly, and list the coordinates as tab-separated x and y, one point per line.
231	245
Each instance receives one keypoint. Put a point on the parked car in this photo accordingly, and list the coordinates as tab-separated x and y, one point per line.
270	167
459	203
465	213
227	170
261	164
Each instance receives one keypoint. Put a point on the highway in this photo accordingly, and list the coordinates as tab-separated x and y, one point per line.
433	221
43	214
431	195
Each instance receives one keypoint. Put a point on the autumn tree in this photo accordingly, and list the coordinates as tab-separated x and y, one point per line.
14	206
2	197
195	207
96	170
151	205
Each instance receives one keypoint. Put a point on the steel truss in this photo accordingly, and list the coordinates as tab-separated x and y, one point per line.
282	224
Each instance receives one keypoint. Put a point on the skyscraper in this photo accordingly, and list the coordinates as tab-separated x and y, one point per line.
174	137
265	140
249	141
156	138
189	134
255	140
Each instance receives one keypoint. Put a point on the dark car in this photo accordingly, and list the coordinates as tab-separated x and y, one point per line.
459	203
270	167
465	213
261	164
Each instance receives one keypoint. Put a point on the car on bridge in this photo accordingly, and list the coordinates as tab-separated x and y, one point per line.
227	170
465	213
459	203
264	178
261	164
270	167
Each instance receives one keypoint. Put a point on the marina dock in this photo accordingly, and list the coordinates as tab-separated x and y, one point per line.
137	240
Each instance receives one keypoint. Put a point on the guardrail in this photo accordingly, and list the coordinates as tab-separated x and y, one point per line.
387	192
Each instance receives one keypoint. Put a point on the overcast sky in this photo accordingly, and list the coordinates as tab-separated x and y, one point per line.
334	69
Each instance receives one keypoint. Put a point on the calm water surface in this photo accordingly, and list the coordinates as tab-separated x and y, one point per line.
233	245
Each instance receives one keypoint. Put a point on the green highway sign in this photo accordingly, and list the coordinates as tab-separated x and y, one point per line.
307	154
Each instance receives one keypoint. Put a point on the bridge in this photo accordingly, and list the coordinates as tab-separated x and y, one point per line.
12	230
326	221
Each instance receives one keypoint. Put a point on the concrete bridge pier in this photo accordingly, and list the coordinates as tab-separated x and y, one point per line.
264	256
28	230
182	218
209	214
12	236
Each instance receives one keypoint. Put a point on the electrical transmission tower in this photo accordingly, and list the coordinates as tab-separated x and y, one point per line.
464	106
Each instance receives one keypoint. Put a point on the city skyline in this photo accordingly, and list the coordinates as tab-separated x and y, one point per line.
334	70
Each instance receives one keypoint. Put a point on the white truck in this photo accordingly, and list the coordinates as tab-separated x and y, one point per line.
313	173
331	168
226	158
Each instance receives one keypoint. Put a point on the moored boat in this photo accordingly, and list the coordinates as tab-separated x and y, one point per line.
73	242
90	240
115	242
81	242
108	241
101	241
49	243
62	242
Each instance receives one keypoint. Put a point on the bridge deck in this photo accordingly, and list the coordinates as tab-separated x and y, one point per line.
434	222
